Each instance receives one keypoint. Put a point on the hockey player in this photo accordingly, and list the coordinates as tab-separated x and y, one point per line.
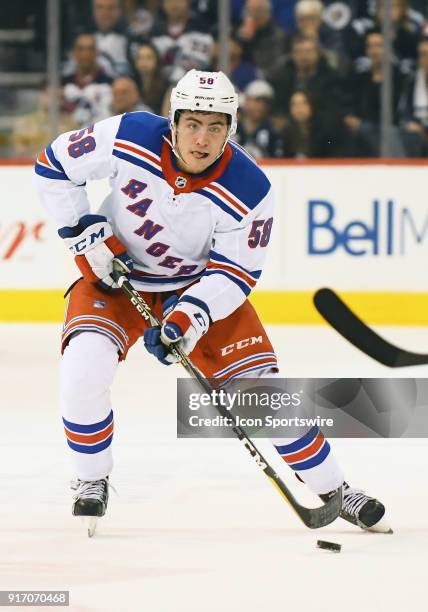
190	215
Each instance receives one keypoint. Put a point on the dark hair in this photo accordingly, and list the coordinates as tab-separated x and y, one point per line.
307	95
148	43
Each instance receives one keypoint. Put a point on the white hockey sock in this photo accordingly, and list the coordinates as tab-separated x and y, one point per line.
87	370
310	456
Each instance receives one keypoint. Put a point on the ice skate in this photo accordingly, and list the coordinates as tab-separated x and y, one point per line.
362	510
90	501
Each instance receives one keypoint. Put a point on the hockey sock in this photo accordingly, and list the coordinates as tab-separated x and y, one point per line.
87	370
310	455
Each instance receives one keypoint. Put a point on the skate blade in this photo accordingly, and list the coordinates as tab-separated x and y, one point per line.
381	526
91	525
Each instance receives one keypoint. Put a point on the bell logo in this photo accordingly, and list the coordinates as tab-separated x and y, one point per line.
241	344
180	182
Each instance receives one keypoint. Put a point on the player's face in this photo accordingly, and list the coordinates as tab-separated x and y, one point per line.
199	139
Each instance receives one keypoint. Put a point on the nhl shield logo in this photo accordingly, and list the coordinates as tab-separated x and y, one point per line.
180	182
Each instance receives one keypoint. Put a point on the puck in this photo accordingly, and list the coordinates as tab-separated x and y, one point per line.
329	546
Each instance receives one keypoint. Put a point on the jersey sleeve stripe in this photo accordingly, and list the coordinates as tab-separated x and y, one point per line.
217	257
245	288
236	273
48	166
220	203
131	146
224	196
53	160
137	161
139	152
231	195
46	172
44	160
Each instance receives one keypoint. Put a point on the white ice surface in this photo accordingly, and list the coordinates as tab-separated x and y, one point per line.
196	527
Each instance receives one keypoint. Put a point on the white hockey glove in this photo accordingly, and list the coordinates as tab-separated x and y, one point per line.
94	245
185	321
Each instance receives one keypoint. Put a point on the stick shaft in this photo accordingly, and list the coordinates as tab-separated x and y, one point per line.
311	517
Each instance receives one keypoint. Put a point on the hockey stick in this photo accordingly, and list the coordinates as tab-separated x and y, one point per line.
311	517
350	326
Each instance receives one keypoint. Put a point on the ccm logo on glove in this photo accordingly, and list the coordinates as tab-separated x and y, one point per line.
99	234
95	246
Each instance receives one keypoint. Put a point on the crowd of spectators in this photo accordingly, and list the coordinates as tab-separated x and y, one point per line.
309	73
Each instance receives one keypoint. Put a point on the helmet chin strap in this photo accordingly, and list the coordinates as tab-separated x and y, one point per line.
173	144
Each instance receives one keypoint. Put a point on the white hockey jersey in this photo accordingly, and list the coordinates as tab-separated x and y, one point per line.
212	228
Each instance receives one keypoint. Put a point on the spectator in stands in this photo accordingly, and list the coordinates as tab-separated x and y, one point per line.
263	40
112	36
282	11
406	27
207	11
338	16
309	25
181	39
255	130
31	132
307	69
308	134
149	76
140	16
126	97
241	71
414	104
87	90
364	99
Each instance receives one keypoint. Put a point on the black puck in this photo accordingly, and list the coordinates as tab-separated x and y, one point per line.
329	546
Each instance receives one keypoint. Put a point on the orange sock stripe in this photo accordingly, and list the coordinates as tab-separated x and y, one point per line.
90	438
306	452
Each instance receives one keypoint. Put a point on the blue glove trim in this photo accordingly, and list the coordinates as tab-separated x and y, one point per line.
88	220
169	304
197	302
85	222
154	344
70	232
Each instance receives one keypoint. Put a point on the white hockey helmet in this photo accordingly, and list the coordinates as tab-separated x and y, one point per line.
211	92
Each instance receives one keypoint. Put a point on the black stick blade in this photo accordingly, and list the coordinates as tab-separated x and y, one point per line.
332	308
314	518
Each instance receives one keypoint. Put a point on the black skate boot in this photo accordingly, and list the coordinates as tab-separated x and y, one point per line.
90	501
362	510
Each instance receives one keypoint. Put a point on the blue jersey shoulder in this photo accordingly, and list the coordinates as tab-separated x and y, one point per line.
143	129
244	178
